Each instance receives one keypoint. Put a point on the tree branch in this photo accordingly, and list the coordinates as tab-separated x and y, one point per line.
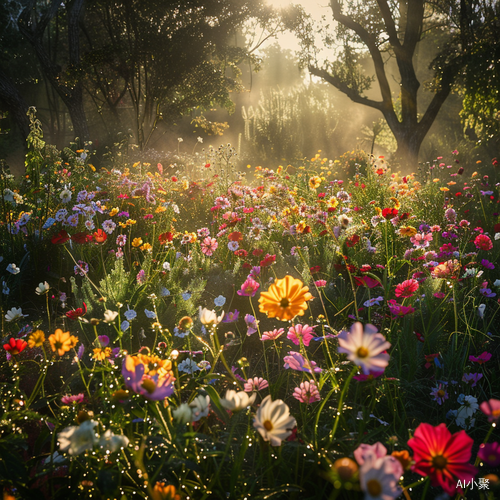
390	25
414	22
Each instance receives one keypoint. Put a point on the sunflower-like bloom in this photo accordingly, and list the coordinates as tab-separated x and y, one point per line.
285	299
62	342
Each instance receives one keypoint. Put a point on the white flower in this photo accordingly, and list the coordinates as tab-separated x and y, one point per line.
110	442
14	314
55	458
78	438
365	349
110	316
273	421
200	407
379	478
210	317
220	300
180	139
8	195
42	288
188	366
166	266
497	236
480	310
469	407
183	414
65	195
497	282
12	268
236	401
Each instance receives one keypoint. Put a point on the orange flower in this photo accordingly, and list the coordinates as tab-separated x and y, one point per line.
407	231
36	339
162	491
137	242
62	342
285	299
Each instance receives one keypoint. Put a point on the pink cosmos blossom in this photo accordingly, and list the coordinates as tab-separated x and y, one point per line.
255	384
301	332
407	288
490	453
379	477
273	335
209	246
491	409
307	392
398	309
421	240
296	361
481	359
69	400
249	288
363	451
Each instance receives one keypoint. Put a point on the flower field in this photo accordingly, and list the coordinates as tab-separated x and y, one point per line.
179	329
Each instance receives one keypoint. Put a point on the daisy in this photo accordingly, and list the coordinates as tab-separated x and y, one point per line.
365	349
439	394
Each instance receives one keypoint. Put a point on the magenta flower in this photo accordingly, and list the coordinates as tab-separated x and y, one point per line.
483	242
490	453
249	288
320	283
365	348
407	288
481	359
209	246
273	335
252	324
398	309
255	384
307	392
103	340
362	377
439	394
491	409
141	277
231	317
69	400
301	332
297	362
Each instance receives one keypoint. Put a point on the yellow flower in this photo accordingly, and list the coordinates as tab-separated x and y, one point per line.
130	222
435	180
444	189
146	247
162	491
451	183
160	209
36	339
92	167
62	342
407	231
137	242
123	225
102	354
333	202
314	182
272	189
378	211
136	164
397	205
285	299
114	211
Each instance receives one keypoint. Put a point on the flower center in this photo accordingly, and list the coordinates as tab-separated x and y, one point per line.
268	425
149	385
439	462
440	393
362	352
284	302
374	487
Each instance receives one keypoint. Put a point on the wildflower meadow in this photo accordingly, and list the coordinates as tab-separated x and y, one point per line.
197	328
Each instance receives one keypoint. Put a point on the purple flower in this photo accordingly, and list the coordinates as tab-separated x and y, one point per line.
486	292
231	317
141	277
252	324
296	361
490	453
487	264
439	394
472	378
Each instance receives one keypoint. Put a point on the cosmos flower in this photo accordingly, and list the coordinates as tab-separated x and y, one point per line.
439	394
248	288
15	346
273	421
70	400
297	362
273	334
78	438
36	339
209	246
365	348
110	442
237	401
42	288
209	318
442	456
255	384
62	342
298	333
491	409
14	314
200	406
407	288
490	453
307	392
77	313
379	477
285	299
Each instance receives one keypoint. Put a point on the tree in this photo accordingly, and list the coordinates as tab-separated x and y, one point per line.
390	29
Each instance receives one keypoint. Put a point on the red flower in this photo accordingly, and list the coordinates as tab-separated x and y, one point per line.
235	236
164	238
315	269
100	236
15	346
430	359
77	313
389	213
257	252
60	238
442	456
241	253
483	242
81	238
407	288
267	260
352	240
367	281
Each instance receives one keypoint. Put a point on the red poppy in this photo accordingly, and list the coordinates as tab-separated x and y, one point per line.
164	238
60	238
352	240
77	313
235	236
81	238
389	213
268	260
100	236
442	456
15	346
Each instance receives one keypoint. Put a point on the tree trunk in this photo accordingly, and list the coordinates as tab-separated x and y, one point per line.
406	155
14	103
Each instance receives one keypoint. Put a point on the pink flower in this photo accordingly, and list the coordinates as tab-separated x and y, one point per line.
307	392
483	242
249	288
407	288
490	453
442	456
373	374
398	309
421	240
363	451
491	409
379	477
69	400
209	246
320	283
273	335
296	361
255	384
482	358
365	348
301	332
